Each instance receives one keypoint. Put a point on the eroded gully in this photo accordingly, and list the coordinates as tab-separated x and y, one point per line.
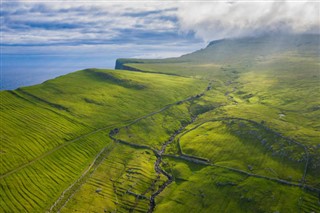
158	168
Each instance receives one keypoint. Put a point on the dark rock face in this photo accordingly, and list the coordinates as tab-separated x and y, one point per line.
119	64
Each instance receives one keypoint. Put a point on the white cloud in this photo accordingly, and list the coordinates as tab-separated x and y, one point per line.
215	20
52	22
147	23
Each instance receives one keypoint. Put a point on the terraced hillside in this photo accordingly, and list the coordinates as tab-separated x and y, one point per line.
233	127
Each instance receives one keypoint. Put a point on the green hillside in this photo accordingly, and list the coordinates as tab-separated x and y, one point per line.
52	132
233	127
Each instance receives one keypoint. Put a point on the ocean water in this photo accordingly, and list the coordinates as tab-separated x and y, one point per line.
25	70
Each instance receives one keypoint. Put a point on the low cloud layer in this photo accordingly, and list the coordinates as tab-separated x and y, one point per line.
235	18
150	24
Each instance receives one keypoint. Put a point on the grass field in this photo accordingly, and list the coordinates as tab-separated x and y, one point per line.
241	145
153	131
122	183
52	132
233	127
211	189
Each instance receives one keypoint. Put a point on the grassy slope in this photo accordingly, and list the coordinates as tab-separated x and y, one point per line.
241	145
257	79
260	79
210	189
271	81
150	132
126	173
51	132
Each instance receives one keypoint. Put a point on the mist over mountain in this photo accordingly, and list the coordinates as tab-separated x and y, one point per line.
245	49
240	18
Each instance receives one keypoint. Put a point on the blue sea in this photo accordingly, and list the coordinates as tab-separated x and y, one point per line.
25	70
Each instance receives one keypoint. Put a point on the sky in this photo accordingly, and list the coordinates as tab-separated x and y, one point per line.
94	33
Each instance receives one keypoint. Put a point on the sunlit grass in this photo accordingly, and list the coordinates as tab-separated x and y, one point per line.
258	125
